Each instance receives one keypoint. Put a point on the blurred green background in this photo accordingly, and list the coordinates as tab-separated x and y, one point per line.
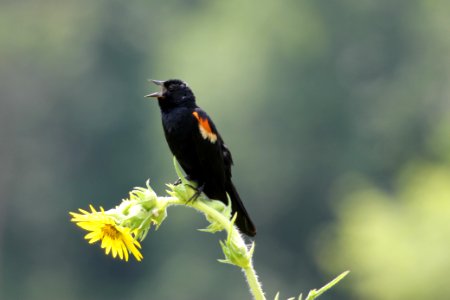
337	114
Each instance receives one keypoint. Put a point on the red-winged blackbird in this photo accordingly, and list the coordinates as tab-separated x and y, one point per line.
198	147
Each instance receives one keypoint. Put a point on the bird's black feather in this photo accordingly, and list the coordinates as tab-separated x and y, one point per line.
194	140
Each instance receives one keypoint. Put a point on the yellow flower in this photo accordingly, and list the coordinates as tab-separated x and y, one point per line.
115	238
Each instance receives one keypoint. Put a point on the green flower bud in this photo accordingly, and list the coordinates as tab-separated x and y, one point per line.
236	253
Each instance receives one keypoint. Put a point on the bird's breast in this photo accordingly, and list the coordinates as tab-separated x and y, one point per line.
178	126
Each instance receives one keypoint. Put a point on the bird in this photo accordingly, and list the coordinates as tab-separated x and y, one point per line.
198	147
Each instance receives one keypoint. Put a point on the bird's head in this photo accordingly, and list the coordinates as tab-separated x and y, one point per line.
173	93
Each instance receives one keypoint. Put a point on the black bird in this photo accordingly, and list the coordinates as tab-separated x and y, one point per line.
198	147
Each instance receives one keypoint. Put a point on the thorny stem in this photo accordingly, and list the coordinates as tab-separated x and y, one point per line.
253	283
249	271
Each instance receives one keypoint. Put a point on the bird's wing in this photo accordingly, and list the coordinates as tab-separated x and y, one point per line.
209	147
209	132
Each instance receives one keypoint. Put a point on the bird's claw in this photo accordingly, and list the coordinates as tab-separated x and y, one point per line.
179	181
198	191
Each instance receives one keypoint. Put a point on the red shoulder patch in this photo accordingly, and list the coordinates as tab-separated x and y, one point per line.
205	128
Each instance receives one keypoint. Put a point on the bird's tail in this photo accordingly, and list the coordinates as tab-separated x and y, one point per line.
243	221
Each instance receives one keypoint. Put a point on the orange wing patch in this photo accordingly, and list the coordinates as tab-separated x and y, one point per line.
205	128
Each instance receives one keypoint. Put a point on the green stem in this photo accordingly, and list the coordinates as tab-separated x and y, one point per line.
249	271
253	283
214	214
172	201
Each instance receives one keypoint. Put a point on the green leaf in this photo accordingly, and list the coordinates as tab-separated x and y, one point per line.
313	294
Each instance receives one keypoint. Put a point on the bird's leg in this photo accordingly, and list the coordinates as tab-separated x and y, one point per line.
198	191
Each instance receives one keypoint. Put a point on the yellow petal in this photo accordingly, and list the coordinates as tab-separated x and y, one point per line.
119	249
125	251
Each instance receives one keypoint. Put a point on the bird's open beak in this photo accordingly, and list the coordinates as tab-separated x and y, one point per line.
157	94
